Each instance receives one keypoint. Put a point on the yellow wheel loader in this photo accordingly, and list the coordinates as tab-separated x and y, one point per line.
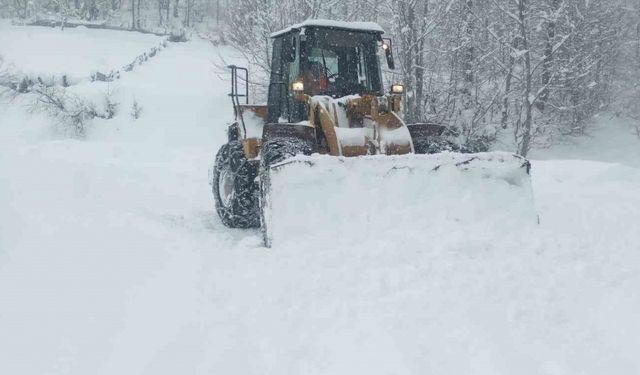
329	150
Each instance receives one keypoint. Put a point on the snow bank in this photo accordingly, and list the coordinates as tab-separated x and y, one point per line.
329	199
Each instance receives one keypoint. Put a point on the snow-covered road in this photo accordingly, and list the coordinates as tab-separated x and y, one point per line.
112	261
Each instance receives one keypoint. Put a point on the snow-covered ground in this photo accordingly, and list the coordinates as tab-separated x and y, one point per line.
112	261
75	52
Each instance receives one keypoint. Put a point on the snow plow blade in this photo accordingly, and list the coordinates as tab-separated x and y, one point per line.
326	198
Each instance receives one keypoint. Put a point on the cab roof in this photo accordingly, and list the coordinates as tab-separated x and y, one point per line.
370	27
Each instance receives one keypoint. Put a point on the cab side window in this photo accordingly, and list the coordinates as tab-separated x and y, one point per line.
275	83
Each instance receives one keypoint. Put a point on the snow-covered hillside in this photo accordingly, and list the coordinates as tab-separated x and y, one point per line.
113	261
48	52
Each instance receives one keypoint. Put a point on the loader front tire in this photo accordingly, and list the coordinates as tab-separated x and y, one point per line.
234	188
278	149
436	144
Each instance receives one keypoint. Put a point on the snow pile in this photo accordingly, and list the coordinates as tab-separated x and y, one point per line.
409	197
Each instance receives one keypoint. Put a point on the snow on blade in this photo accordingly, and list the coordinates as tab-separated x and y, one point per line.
324	198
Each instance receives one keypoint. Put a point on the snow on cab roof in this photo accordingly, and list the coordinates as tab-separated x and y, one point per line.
361	26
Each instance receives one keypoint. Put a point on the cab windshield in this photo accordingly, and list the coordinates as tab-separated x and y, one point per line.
340	63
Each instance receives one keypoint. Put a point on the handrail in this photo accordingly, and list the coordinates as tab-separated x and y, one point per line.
235	94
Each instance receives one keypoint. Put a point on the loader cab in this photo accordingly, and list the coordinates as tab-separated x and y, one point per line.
327	59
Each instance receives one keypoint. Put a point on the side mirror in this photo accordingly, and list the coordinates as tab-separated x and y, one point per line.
387	46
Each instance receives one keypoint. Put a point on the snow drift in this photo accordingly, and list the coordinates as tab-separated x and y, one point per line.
322	198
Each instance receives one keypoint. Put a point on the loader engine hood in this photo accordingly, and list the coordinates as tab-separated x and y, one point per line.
360	125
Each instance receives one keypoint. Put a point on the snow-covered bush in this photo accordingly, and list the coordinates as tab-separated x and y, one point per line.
5	78
70	112
136	110
3	68
178	36
110	107
9	82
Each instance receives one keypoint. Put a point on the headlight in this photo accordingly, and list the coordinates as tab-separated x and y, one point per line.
383	104
397	89
297	86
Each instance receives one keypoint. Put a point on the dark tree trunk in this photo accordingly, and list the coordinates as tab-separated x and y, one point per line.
469	52
507	85
408	39
93	10
166	18
187	15
133	14
547	63
467	66
525	144
217	12
419	64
